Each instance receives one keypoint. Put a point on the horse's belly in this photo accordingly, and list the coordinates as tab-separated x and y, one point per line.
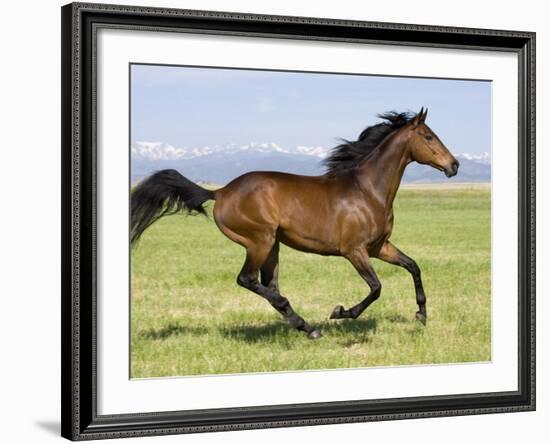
308	243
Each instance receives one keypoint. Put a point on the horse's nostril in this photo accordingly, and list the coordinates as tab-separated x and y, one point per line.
452	169
456	164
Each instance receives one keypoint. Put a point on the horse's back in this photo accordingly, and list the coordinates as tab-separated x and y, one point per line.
266	177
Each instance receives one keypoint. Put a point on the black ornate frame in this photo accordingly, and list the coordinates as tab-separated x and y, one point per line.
80	22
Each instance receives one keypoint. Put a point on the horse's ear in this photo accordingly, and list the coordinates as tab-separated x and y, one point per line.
423	116
417	120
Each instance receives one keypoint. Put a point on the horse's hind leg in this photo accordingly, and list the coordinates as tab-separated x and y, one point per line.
361	262
269	272
266	257
391	254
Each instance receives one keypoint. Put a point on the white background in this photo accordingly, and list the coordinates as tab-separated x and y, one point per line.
30	231
117	394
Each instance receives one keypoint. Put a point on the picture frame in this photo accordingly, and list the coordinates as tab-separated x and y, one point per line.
81	390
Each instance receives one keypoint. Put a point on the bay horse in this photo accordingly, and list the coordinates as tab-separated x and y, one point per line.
348	211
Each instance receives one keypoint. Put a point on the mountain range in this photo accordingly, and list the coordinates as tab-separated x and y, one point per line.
221	163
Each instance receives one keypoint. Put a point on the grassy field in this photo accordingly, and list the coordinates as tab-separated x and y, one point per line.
189	317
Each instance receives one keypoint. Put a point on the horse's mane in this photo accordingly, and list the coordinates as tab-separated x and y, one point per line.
349	155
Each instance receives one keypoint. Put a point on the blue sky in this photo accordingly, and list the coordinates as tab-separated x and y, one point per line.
195	107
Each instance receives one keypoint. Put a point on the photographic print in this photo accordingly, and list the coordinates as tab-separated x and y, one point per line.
273	221
287	220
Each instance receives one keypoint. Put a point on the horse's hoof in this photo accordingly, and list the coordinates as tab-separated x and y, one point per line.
337	313
421	317
314	334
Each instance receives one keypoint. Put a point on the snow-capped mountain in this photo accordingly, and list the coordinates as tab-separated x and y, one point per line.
222	163
164	151
482	158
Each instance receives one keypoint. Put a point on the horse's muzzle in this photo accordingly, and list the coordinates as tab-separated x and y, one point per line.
452	169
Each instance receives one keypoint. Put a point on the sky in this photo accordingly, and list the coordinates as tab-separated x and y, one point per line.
196	107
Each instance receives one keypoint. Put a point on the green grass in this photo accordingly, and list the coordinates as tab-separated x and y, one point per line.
189	317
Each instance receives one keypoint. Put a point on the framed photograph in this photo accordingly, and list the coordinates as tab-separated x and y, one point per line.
278	221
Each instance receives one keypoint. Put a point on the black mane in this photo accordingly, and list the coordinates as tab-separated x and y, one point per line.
349	155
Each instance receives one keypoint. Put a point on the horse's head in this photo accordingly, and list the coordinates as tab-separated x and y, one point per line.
426	148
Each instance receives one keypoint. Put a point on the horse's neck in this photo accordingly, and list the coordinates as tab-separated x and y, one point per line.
384	170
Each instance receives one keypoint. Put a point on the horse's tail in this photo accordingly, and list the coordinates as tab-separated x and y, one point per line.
165	192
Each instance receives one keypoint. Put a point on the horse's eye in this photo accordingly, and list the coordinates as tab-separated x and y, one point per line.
429	137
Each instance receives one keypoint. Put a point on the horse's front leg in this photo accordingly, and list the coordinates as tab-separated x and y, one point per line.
360	260
391	254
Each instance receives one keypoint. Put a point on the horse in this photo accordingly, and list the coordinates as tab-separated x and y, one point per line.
347	211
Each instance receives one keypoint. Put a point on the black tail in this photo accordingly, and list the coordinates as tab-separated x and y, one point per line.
165	192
